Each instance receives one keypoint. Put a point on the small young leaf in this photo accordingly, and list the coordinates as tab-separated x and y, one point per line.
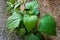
31	37
21	31
29	22
17	5
36	11
13	21
12	1
10	6
31	5
47	25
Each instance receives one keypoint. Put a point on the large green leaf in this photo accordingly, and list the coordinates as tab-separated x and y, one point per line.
13	21
47	25
31	5
31	37
29	22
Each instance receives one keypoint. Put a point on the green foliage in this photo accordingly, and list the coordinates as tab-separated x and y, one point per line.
23	1
36	12
17	5
29	22
31	5
21	31
33	11
31	37
25	22
12	1
47	25
13	21
10	6
40	36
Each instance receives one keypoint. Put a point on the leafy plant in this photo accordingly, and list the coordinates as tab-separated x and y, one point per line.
29	22
25	21
47	25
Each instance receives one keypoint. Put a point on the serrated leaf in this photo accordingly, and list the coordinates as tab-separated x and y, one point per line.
29	22
47	25
21	31
31	37
31	5
13	21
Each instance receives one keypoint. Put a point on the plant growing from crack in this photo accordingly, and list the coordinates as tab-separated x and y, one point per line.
24	17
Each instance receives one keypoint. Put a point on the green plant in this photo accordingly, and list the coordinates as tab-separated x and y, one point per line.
25	21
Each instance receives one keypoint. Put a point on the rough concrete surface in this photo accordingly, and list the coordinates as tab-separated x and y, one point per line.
3	18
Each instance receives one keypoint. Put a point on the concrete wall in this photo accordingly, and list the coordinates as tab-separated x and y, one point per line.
3	11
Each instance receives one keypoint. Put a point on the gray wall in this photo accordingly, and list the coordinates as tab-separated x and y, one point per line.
3	18
3	11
